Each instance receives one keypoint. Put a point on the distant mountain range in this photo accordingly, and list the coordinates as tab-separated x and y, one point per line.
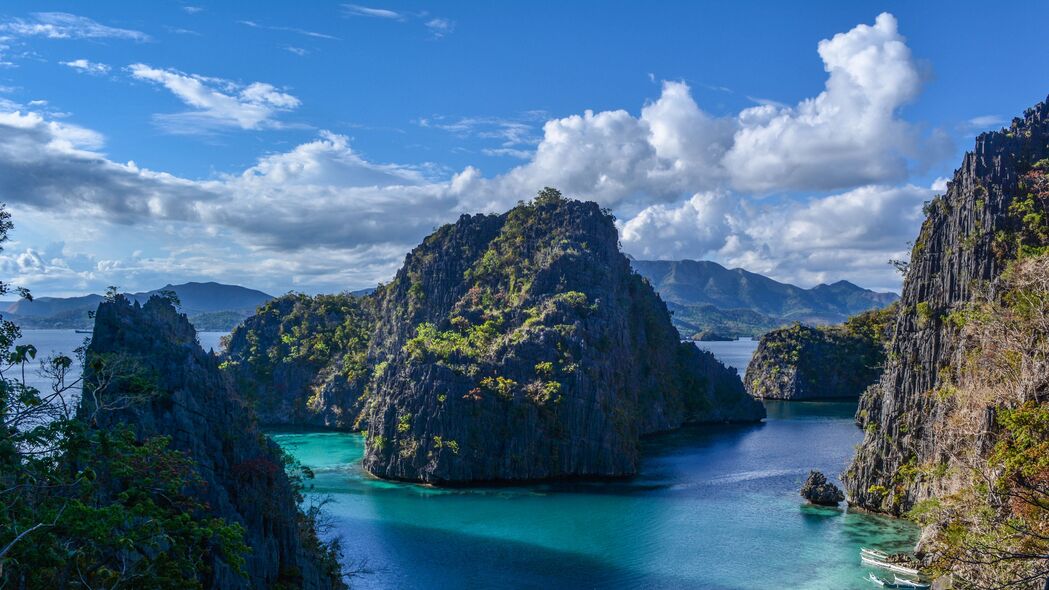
210	307
710	301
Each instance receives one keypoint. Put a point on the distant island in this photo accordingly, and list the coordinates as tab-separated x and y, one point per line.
711	302
211	307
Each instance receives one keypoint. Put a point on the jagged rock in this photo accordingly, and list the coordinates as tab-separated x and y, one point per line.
192	403
522	346
961	249
818	490
302	361
805	363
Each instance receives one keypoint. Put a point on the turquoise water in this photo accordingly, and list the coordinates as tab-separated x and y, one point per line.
712	508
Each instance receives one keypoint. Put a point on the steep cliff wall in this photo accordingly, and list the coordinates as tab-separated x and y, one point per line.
522	346
146	362
987	219
805	363
302	360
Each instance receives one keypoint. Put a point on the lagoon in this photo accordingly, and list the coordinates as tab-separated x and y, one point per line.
713	507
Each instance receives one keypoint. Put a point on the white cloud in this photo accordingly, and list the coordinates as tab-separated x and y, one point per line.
851	235
299	51
847	135
62	25
218	103
88	67
671	173
358	10
296	30
612	157
985	123
192	9
439	27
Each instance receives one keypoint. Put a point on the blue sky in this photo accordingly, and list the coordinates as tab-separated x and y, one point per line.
309	149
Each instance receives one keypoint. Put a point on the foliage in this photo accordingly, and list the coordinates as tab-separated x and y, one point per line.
88	508
994	530
469	342
321	336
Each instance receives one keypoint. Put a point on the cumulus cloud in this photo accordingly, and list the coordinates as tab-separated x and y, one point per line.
673	173
62	25
671	149
850	235
847	135
87	67
217	103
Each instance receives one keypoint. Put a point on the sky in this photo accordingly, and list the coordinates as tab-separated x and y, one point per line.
310	146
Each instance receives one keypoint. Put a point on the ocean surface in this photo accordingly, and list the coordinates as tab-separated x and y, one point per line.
713	507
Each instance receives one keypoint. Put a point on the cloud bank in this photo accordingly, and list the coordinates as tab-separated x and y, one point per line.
810	192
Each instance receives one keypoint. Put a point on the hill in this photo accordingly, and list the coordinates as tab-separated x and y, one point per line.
706	297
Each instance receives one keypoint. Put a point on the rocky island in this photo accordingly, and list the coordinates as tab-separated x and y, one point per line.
821	492
521	346
303	361
826	362
509	347
957	428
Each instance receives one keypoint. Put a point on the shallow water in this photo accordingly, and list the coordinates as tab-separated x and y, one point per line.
713	507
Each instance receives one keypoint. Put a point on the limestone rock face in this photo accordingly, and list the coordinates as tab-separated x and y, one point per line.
818	490
522	346
302	361
805	363
962	248
242	470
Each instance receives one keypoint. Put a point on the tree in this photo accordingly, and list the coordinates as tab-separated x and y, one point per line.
82	507
549	196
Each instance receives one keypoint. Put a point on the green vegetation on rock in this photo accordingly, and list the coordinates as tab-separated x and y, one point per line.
304	360
802	362
508	337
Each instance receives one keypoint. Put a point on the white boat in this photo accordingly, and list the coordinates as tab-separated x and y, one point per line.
875	579
892	567
874	553
905	583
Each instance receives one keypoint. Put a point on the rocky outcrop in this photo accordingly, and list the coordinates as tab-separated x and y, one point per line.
969	236
805	363
818	490
522	346
302	361
148	359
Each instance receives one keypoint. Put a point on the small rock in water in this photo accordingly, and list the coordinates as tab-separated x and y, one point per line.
820	491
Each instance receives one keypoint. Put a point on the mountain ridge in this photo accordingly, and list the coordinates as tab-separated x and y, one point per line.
708	297
210	305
